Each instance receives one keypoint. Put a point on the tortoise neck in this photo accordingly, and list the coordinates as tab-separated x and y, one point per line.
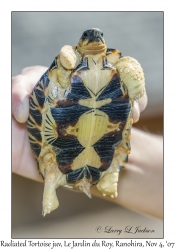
92	48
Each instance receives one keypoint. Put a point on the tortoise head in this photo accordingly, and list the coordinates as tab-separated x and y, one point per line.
92	42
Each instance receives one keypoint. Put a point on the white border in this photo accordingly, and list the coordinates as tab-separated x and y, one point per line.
5	100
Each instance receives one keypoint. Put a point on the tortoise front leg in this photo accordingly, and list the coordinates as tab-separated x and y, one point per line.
52	179
69	57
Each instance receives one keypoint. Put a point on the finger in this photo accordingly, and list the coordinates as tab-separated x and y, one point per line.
139	107
22	86
20	98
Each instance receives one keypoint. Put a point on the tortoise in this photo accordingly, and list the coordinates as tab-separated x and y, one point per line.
80	117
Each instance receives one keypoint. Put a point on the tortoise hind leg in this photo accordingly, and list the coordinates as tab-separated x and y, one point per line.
50	200
109	179
53	178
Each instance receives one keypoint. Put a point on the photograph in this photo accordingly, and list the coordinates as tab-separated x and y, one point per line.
87	125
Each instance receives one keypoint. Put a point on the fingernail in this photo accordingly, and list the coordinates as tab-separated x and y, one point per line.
21	110
136	105
143	102
136	112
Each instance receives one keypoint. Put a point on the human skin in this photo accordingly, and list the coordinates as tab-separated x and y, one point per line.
141	183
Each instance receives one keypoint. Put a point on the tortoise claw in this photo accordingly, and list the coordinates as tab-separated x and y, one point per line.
43	213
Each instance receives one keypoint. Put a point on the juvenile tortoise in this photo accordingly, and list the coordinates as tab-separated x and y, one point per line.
81	116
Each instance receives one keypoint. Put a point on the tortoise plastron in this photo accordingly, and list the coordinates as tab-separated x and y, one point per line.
81	116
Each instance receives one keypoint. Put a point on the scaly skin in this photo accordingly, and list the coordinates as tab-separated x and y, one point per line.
53	178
